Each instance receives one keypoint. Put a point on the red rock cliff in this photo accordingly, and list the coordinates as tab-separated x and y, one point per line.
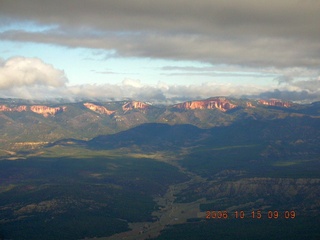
134	105
98	109
249	105
46	111
4	108
214	103
275	102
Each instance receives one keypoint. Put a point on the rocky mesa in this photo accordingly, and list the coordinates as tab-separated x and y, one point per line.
39	109
4	108
219	103
47	111
134	105
98	109
275	102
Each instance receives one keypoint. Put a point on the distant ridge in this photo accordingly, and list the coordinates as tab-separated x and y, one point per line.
22	122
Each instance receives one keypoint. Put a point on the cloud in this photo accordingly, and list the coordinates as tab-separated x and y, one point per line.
256	34
31	78
25	72
133	89
135	83
224	71
162	92
254	39
312	85
300	96
306	90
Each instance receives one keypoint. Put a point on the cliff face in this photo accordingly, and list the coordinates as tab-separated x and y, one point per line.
134	105
46	111
39	109
249	105
221	104
98	109
4	108
275	102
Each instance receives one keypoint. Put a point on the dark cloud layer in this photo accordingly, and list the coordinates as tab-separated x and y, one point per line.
273	39
298	96
244	32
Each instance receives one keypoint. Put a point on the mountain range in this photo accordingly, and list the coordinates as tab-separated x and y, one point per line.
24	124
129	168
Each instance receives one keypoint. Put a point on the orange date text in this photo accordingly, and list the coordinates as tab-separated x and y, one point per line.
254	214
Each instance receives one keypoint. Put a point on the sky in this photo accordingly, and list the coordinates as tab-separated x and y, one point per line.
160	51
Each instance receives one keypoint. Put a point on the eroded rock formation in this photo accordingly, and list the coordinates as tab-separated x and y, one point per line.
249	105
4	108
134	105
98	109
221	104
275	102
47	111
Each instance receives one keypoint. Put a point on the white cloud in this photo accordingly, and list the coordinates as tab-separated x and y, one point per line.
26	72
31	78
163	92
132	83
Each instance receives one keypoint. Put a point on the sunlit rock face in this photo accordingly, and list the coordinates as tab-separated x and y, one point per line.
4	108
134	105
221	104
249	105
47	111
39	109
98	109
275	102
